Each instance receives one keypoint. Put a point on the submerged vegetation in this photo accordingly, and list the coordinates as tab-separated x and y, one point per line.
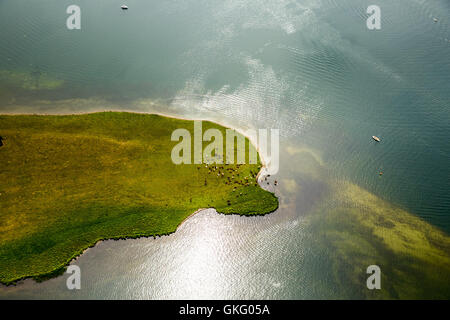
68	182
34	80
363	230
354	229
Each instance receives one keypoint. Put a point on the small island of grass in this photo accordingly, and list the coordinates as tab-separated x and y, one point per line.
70	181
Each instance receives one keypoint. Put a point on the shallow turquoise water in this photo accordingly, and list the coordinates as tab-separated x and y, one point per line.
310	68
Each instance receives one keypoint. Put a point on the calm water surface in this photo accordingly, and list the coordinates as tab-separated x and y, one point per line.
310	68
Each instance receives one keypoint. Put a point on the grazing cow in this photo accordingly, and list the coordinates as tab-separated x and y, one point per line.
1	143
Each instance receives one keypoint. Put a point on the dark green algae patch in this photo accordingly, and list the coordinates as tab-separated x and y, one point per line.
71	181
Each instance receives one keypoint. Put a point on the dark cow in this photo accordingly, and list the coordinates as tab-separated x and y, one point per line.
1	143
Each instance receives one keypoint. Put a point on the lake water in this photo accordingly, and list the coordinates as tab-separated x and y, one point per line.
309	68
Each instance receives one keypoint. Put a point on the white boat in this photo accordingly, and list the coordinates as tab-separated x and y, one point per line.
376	138
435	20
124	7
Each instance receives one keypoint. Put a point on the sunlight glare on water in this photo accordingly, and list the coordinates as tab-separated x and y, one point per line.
309	68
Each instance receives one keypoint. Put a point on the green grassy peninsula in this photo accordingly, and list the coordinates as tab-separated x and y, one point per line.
67	182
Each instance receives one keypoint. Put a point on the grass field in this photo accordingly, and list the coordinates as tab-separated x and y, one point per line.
67	182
